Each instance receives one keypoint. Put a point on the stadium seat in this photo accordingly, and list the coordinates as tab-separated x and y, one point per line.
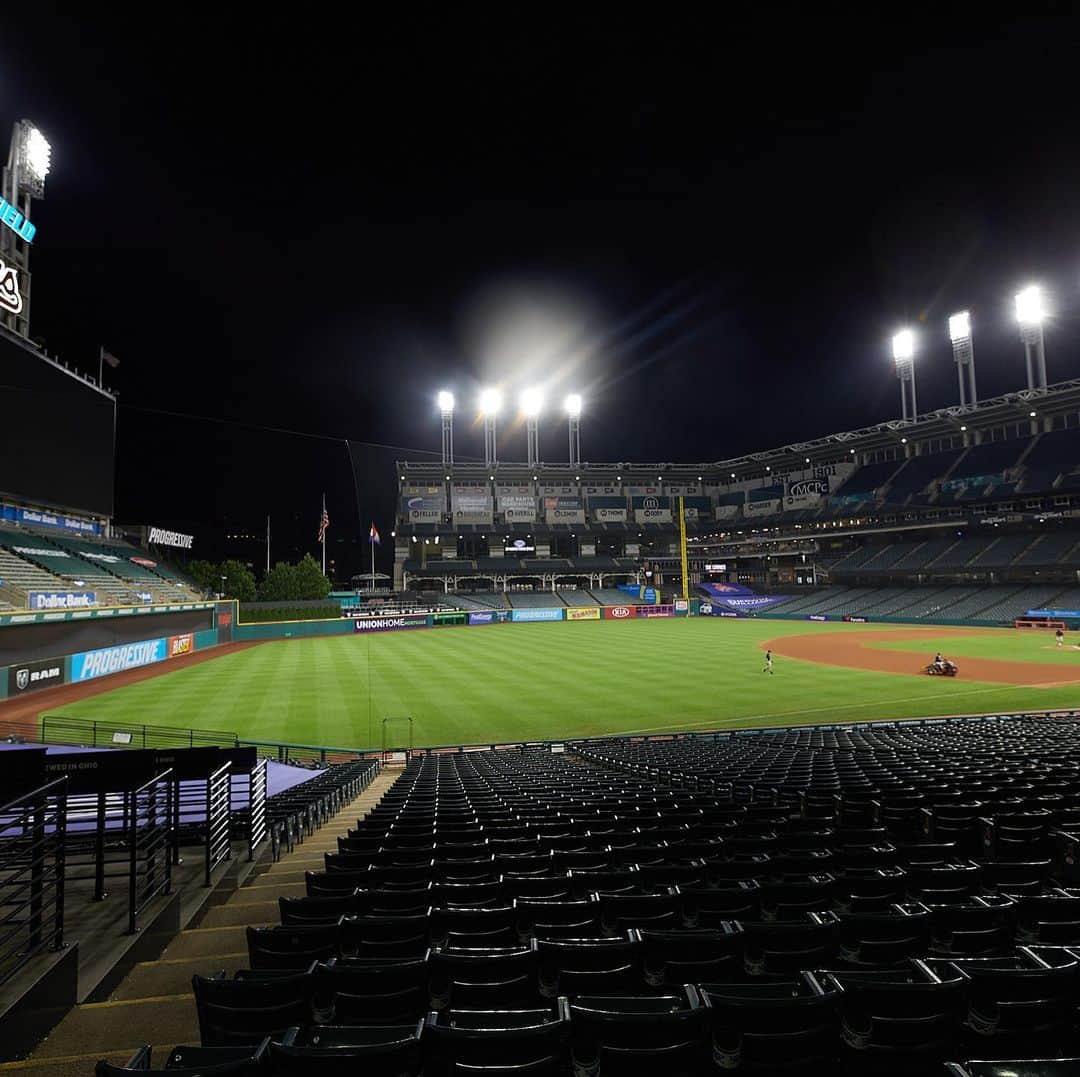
291	947
235	1012
691	955
589	966
193	1062
358	990
373	1050
404	935
484	978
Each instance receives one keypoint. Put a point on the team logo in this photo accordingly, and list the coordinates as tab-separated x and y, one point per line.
22	679
620	611
10	296
706	607
650	503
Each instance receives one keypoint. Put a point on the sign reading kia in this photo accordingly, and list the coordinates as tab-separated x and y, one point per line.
158	536
179	645
90	664
618	613
29	676
62	600
391	624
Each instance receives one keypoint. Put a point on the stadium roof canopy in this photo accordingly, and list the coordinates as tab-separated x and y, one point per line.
998	412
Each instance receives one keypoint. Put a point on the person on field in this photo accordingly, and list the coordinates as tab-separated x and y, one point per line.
939	661
1060	637
768	662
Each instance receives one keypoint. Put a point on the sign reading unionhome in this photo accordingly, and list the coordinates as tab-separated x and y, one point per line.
62	600
390	624
33	675
158	536
91	664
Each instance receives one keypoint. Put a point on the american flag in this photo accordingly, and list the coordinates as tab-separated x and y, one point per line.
373	536
324	523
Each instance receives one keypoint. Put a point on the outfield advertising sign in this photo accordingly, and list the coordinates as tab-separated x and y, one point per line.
488	617
617	613
181	645
30	676
1055	615
62	600
53	521
538	614
90	664
656	611
391	624
583	613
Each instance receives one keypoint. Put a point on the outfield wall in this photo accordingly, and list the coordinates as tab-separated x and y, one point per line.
43	650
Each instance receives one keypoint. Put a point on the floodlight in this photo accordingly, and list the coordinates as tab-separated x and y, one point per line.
573	405
1029	306
532	400
960	326
490	401
903	345
37	153
446	402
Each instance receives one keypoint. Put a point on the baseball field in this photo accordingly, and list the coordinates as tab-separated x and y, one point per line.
551	681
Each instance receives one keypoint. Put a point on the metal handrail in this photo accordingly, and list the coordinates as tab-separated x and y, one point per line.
150	868
32	830
218	795
257	808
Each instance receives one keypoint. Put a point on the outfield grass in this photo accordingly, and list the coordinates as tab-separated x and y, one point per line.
1010	645
549	681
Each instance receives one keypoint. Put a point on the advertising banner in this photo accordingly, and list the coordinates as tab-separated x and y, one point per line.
1053	615
754	602
726	512
54	521
179	645
583	613
651	502
723	590
617	613
817	617
30	676
488	617
656	611
652	516
574	504
391	624
159	536
609	516
471	506
806	492
762	508
517	503
62	600
424	508
710	609
537	614
90	664
565	516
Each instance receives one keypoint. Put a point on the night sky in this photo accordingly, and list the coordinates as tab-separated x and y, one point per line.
711	229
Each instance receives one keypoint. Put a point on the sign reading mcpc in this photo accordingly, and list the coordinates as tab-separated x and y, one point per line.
91	664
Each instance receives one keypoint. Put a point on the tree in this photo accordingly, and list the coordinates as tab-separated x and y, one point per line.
239	581
281	584
311	581
205	574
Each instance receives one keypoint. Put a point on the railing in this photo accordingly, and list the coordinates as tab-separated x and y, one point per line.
257	808
100	733
148	839
304	753
218	847
32	875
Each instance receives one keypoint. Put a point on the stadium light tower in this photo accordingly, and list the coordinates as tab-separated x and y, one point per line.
963	355
1030	313
446	409
490	402
23	179
532	400
903	350
573	417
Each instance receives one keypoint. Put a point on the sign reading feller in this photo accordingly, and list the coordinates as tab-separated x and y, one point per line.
33	675
583	613
160	537
91	664
391	624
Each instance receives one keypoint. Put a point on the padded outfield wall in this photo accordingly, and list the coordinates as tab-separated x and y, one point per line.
42	650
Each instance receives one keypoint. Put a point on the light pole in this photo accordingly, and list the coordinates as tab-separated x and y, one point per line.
903	349
490	402
573	418
223	579
446	409
1030	313
963	355
532	401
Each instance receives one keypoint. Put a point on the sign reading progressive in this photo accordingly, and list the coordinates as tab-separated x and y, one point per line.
90	664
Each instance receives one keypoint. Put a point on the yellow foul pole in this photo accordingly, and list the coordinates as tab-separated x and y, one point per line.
682	550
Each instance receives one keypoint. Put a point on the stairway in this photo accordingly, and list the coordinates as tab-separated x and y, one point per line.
154	1004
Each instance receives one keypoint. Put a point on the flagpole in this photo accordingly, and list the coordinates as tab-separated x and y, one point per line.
324	536
371	543
268	544
100	363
